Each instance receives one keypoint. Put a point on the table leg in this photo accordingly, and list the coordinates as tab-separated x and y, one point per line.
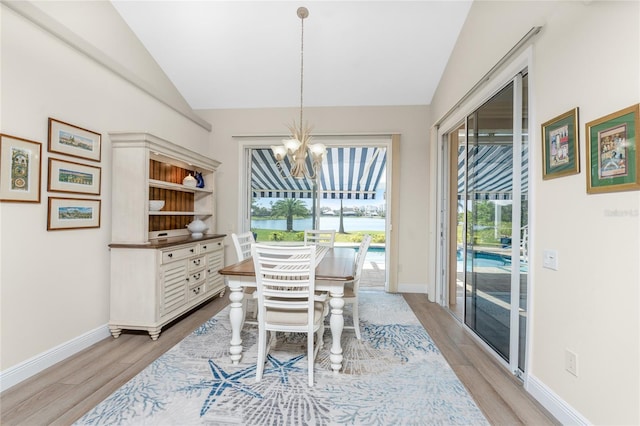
236	317
337	324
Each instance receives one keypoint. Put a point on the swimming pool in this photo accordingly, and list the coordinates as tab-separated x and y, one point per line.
375	254
481	259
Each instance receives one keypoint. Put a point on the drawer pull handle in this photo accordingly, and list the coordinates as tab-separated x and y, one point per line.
197	262
196	290
191	250
170	255
204	247
197	276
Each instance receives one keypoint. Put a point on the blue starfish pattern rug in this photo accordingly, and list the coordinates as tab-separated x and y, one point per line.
394	375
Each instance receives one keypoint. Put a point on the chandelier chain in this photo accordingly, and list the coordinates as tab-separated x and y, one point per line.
297	148
301	69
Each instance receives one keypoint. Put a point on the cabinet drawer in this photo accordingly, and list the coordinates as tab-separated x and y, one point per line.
177	253
194	277
196	263
196	291
210	246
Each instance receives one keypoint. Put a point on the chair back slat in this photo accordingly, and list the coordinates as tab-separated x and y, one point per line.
320	237
285	277
242	243
362	253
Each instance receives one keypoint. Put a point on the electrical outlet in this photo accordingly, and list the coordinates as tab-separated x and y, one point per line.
571	362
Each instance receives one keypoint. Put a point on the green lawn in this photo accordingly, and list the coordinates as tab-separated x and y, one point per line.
350	237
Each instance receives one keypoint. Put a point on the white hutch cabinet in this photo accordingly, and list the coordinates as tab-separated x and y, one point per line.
158	270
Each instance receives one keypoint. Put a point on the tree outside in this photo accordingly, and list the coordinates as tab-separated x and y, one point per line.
288	208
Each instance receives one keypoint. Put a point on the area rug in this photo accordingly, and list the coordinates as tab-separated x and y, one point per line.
394	375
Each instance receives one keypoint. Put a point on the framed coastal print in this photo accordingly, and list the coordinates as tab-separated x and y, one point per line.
560	152
612	152
65	138
20	169
73	213
68	176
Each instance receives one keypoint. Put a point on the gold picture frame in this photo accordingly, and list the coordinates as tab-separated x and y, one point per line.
560	148
20	169
613	155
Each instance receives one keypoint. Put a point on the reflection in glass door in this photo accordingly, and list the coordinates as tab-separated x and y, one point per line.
489	227
488	270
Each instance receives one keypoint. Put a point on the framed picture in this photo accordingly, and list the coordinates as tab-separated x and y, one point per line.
20	169
67	176
612	152
560	152
65	138
73	213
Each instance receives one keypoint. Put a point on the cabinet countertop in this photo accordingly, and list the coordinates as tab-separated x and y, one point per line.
161	243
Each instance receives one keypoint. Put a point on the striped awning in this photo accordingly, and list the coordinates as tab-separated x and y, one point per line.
490	172
347	173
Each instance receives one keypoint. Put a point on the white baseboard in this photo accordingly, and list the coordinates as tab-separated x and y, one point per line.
562	411
16	374
412	288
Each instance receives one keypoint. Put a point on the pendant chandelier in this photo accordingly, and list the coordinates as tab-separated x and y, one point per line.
297	148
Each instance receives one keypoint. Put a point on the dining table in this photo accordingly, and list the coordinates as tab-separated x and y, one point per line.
334	268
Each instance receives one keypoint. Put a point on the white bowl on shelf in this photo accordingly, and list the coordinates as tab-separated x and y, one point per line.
156	205
189	181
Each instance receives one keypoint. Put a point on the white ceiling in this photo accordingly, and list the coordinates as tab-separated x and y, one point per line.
246	54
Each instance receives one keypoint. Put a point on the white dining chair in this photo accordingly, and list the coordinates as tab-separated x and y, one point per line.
285	278
242	244
320	237
351	288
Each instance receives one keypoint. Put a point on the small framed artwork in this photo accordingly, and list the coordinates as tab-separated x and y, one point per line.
20	169
73	213
67	176
65	138
612	152
560	152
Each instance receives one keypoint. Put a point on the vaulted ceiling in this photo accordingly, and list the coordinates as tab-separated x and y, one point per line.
246	54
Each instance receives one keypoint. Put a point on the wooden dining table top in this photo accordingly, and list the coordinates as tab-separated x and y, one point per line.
336	265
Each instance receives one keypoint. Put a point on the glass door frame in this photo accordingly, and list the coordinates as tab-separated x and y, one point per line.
387	141
442	275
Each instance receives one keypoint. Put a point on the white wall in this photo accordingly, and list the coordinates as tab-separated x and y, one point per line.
411	122
55	285
588	55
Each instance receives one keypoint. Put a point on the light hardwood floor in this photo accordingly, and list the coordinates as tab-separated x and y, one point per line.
63	393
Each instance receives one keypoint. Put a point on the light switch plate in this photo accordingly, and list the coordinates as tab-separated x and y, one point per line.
550	259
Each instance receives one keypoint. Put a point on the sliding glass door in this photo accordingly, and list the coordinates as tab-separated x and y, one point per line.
349	196
488	181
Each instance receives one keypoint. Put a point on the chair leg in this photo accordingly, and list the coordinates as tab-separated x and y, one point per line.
320	337
253	303
356	319
311	357
262	353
